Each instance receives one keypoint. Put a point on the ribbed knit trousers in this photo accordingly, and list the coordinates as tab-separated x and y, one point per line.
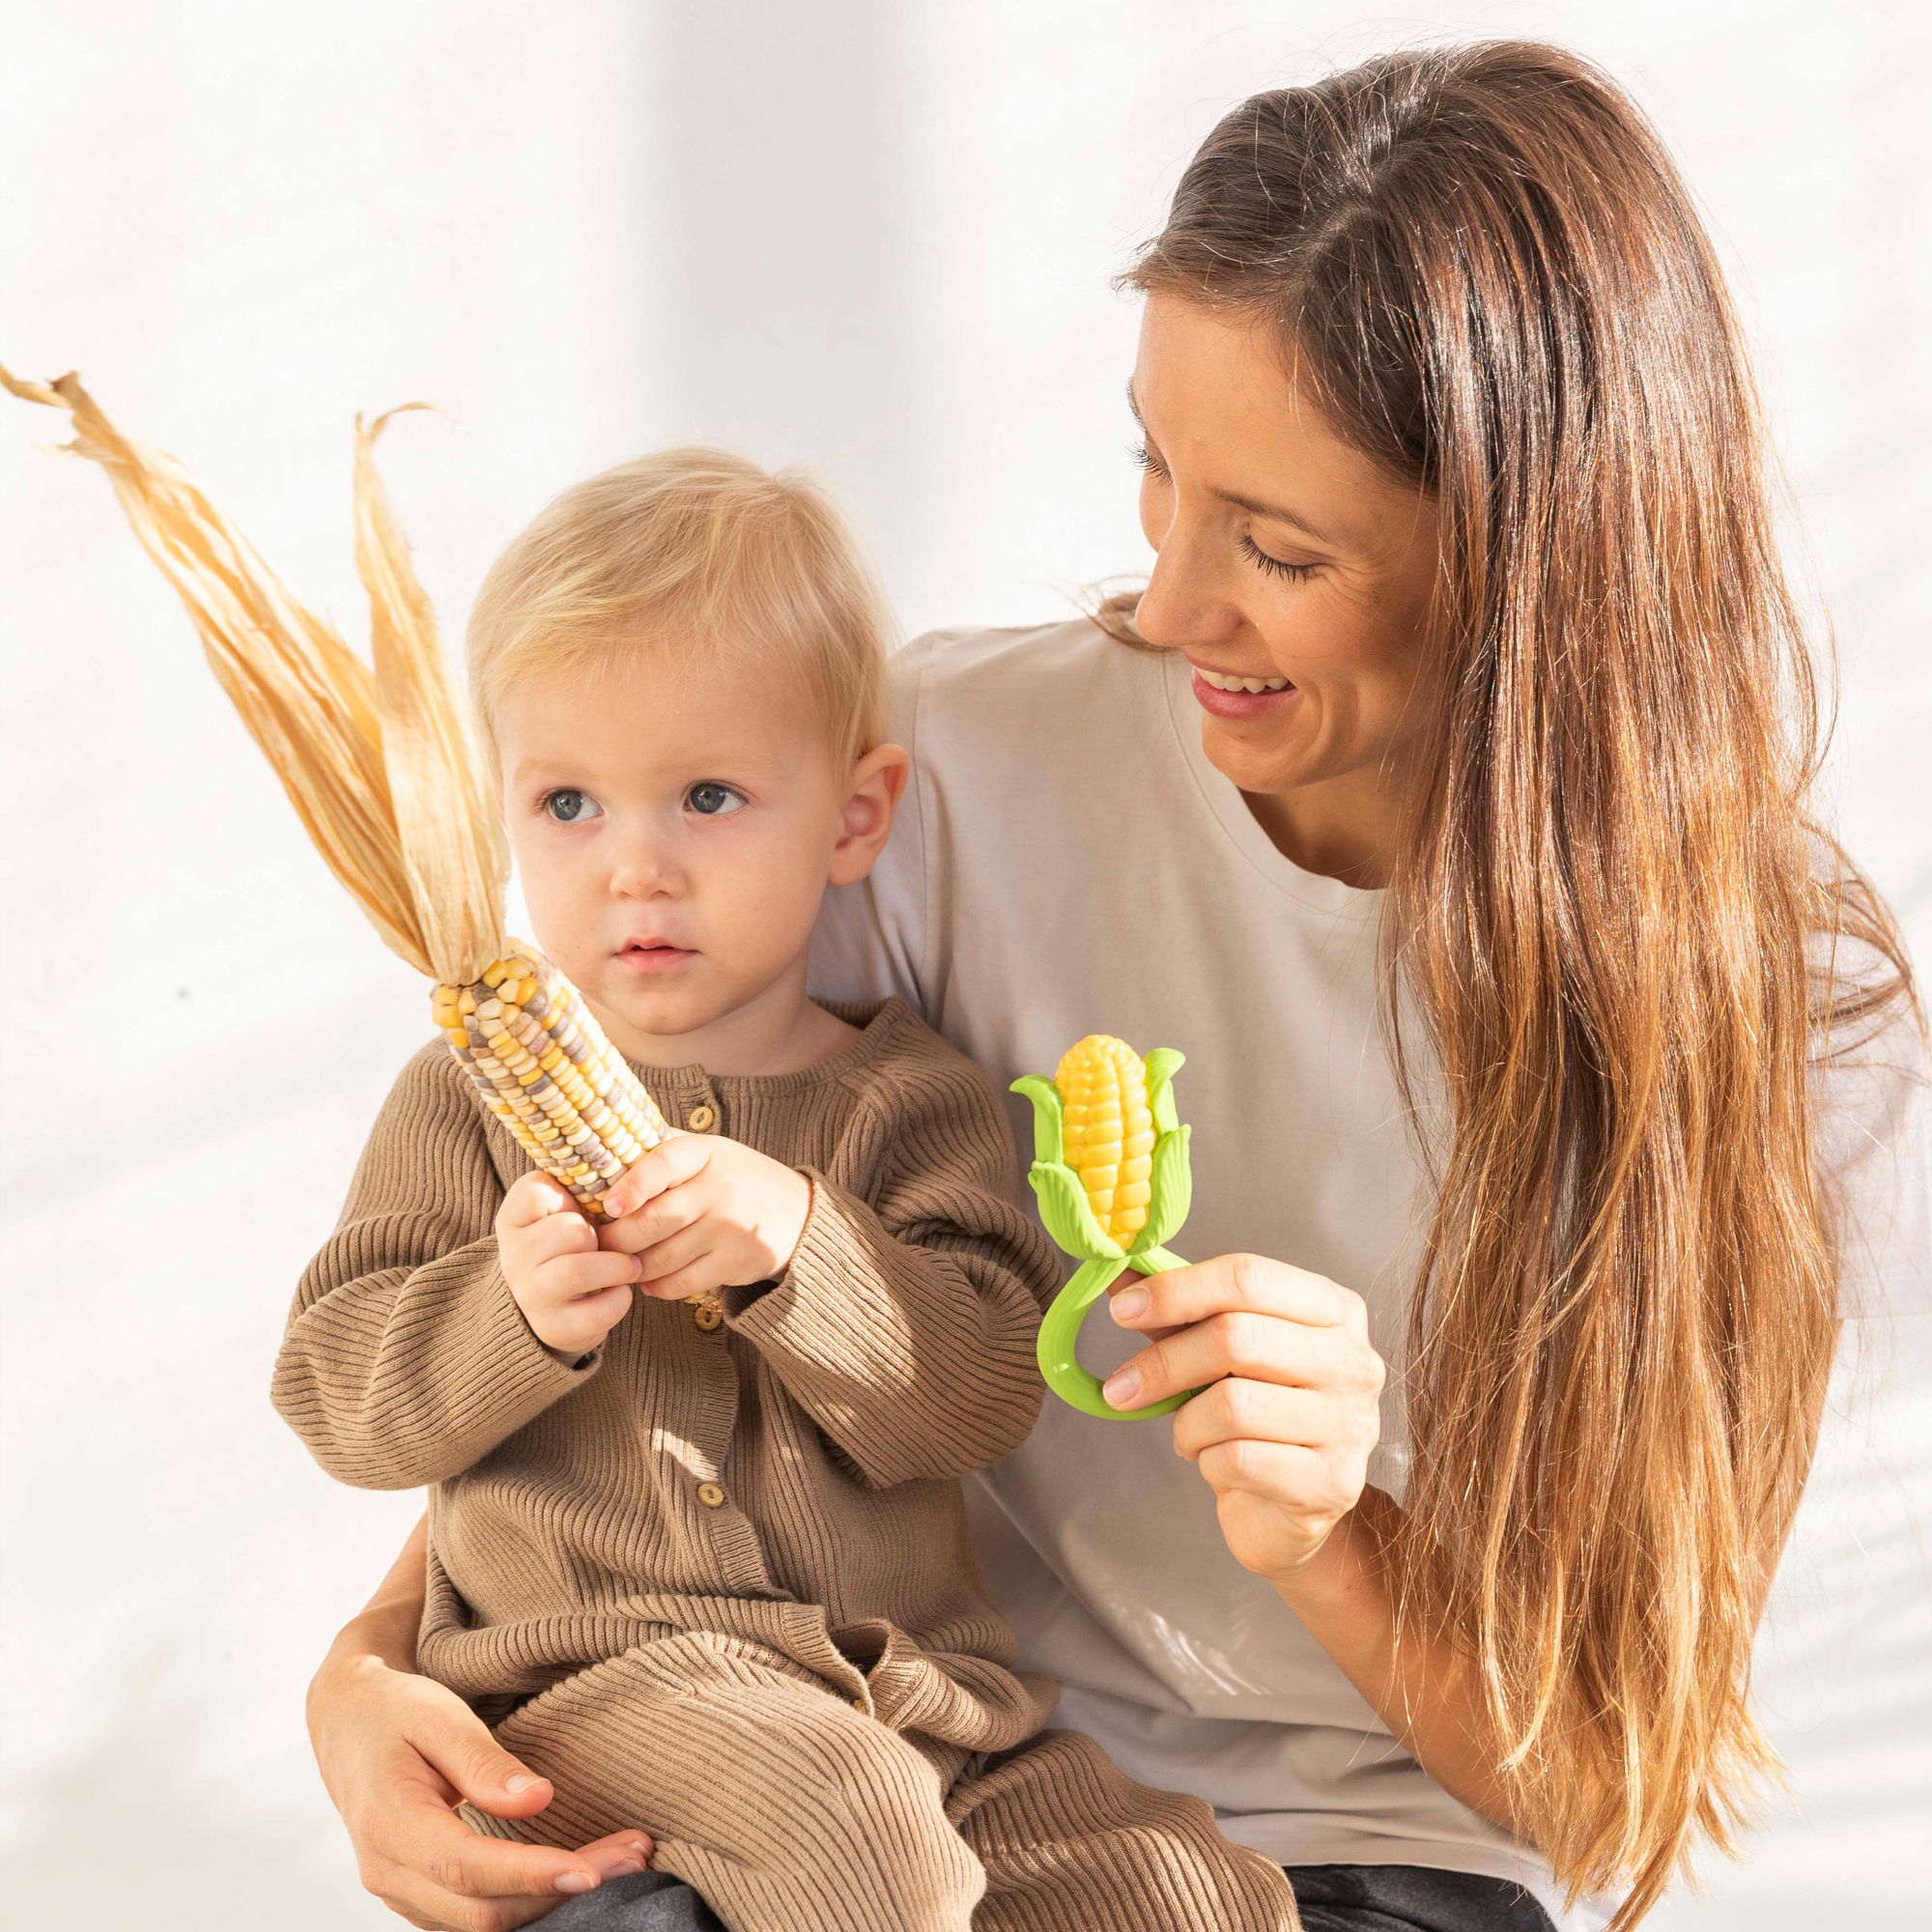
792	1811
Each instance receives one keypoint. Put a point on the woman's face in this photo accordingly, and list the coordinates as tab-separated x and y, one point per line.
1295	576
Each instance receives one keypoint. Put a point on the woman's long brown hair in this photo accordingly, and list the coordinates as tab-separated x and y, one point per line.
1613	913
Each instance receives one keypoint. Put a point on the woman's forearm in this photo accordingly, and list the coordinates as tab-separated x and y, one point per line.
1288	1414
386	1626
1418	1687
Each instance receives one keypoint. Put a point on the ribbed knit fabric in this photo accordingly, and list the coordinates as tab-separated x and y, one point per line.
715	1582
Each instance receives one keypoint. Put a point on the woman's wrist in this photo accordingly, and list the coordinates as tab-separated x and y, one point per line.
376	1643
1420	1689
385	1632
1345	1568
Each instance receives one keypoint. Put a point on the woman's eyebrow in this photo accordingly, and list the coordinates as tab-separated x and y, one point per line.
1276	514
1273	512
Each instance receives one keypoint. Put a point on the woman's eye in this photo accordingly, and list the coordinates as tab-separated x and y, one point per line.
1146	459
1273	566
570	808
712	799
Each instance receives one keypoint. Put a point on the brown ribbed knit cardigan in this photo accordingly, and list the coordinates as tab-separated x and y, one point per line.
787	1478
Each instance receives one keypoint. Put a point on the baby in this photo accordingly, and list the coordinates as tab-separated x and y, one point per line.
698	1542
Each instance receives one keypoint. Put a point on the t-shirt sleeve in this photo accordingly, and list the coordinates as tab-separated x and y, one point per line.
905	1326
1872	1089
406	1358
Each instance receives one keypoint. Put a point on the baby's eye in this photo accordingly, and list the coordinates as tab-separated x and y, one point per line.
570	808
713	799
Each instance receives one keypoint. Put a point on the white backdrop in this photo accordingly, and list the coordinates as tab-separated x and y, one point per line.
873	235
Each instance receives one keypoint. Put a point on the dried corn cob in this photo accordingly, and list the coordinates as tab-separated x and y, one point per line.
543	1067
1108	1130
382	771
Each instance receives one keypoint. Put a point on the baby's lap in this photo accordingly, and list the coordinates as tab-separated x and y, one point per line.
698	1705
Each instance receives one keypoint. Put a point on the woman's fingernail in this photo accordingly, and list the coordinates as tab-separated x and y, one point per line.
1132	1304
1122	1388
520	1783
575	1882
624	1867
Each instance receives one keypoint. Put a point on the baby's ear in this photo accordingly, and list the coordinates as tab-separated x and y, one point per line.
878	780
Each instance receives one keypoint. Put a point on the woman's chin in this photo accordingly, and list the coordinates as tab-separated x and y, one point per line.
1255	760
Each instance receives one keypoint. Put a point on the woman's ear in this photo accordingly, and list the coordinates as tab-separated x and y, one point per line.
865	823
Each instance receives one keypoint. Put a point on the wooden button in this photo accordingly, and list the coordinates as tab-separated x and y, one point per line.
701	1120
858	1704
707	1316
710	1494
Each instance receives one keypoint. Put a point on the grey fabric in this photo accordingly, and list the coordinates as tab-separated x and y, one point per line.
1331	1898
644	1902
1411	1898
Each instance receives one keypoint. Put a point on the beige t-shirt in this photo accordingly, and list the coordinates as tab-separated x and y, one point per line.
1067	862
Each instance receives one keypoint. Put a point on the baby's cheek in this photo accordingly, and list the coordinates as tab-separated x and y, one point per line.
769	917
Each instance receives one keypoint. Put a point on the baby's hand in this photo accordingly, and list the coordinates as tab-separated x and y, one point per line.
572	1292
702	1212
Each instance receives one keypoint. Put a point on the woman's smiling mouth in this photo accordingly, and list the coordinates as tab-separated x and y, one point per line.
1224	694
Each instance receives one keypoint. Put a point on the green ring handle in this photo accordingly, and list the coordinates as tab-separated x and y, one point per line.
1060	1333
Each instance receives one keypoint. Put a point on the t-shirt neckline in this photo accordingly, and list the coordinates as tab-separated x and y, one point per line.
1311	890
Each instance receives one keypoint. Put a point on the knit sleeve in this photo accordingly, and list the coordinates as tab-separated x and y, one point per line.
406	1358
905	1326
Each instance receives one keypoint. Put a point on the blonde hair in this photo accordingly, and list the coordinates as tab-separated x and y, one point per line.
690	551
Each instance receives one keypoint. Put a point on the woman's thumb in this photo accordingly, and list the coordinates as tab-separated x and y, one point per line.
495	1782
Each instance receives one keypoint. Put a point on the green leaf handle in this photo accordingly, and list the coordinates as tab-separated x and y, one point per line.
1060	1333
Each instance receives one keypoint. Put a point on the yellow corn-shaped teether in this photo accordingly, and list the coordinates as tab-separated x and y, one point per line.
1109	1131
1110	1170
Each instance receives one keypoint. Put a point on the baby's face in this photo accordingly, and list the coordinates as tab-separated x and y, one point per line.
675	828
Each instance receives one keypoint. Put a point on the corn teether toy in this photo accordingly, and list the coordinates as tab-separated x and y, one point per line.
1110	1168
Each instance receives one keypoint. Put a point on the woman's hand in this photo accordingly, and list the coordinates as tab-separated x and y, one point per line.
397	1753
1290	1407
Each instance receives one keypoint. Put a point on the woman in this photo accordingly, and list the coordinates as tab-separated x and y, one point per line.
1445	797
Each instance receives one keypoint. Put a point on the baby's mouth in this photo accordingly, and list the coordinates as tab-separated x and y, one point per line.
653	955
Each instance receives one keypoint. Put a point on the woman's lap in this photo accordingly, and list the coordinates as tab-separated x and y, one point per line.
1331	1898
644	1902
1411	1898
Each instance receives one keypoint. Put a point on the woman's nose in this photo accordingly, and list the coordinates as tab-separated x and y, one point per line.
1185	603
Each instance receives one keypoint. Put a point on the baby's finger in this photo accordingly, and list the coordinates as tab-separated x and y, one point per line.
554	1234
665	1261
569	1277
665	1166
697	1277
531	1198
663	1215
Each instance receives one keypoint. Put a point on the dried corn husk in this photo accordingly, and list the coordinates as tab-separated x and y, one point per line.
379	765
